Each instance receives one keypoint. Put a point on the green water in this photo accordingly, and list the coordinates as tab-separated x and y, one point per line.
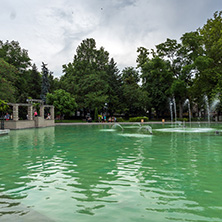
96	173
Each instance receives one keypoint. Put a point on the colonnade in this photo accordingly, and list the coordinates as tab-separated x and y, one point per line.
30	110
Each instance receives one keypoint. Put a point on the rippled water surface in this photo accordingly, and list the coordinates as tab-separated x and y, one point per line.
97	173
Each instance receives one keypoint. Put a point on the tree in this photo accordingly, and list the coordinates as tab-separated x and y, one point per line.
63	102
15	55
85	77
181	57
204	50
157	79
192	46
34	83
7	90
8	78
53	82
133	96
45	82
212	40
212	37
171	52
114	91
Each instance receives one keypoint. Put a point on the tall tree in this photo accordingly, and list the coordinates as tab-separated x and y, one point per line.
133	96
35	82
114	92
53	82
85	77
157	79
180	65
45	82
212	39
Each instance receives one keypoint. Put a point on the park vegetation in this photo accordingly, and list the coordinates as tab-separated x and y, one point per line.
92	83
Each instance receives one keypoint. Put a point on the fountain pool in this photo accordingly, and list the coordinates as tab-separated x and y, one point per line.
99	173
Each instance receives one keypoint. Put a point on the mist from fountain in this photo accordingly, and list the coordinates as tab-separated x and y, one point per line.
175	108
208	107
171	111
117	125
214	104
187	102
211	107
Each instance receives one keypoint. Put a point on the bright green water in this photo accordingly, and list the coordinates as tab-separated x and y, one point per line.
95	173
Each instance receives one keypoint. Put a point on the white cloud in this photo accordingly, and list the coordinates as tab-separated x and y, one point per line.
51	30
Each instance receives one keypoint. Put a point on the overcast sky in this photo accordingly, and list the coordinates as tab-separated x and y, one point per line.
51	30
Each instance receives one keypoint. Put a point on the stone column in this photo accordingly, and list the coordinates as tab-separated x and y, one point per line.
52	112
42	111
15	112
30	112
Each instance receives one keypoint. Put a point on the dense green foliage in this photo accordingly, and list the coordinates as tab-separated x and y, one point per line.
86	76
92	83
63	102
34	83
3	106
8	76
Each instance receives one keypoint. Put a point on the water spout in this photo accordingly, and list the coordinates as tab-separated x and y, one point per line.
211	107
117	125
171	110
208	107
214	104
147	128
187	102
175	108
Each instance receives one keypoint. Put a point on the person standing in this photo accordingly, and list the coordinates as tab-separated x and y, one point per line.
35	114
7	117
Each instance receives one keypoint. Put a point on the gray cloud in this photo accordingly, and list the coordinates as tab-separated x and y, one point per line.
52	30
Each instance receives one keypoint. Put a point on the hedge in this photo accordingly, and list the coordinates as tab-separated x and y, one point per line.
138	119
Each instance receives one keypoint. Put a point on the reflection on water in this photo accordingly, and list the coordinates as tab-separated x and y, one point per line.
88	173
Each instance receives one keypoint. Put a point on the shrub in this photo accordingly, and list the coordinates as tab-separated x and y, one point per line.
119	119
138	119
